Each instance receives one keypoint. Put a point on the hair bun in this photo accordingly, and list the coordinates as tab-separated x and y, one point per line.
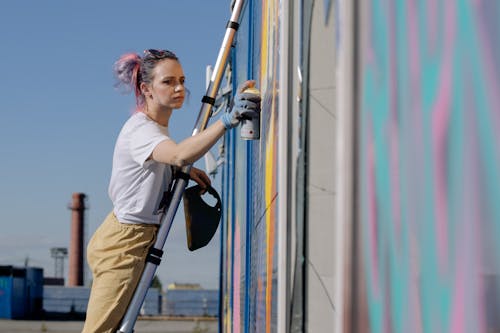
126	69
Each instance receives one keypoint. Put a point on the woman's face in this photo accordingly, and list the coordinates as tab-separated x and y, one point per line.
167	89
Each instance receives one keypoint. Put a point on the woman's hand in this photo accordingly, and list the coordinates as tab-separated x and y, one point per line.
200	177
246	105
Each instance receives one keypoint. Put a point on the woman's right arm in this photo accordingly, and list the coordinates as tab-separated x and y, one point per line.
189	150
193	148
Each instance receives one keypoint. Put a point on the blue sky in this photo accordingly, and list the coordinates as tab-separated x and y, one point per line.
60	115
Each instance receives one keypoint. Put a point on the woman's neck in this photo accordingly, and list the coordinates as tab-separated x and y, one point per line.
161	116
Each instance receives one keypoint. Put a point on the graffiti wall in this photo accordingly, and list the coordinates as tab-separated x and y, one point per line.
429	166
249	264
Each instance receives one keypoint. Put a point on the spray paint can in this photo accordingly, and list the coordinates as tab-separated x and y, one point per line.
250	128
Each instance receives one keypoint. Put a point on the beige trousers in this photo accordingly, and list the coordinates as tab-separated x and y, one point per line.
116	255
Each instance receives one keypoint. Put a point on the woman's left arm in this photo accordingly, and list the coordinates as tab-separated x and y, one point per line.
200	177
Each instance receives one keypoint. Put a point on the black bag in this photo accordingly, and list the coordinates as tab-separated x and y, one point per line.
202	220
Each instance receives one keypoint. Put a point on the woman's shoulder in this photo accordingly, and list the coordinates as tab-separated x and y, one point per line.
140	122
141	118
137	116
137	119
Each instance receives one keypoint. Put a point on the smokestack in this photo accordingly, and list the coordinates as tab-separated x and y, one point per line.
75	276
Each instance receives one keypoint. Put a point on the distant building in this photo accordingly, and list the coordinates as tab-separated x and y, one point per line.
191	302
74	300
184	286
21	292
23	295
53	281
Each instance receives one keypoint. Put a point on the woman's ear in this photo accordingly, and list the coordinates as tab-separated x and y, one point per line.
145	90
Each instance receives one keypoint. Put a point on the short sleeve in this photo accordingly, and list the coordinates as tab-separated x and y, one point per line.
144	139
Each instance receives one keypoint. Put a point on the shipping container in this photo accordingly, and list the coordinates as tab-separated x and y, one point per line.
34	292
12	292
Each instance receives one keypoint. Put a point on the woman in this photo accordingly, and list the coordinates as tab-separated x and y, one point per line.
142	171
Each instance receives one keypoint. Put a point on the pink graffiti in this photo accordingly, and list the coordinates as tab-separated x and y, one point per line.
440	120
415	301
458	316
489	65
236	278
413	40
372	218
394	128
395	184
468	312
432	23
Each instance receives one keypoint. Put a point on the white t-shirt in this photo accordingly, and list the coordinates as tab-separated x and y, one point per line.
137	184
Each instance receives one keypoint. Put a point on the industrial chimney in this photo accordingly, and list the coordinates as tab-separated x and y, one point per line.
75	276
